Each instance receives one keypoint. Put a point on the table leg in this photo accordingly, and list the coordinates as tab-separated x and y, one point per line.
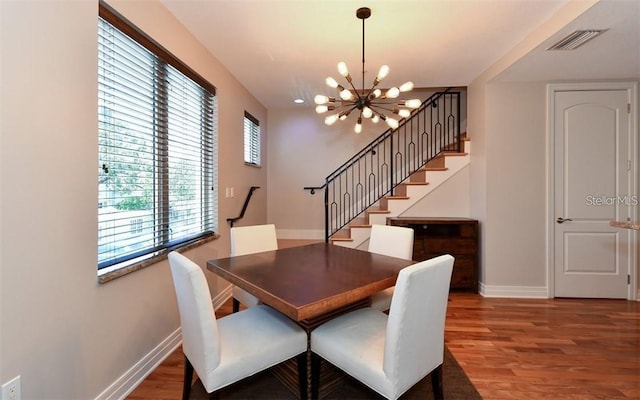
329	376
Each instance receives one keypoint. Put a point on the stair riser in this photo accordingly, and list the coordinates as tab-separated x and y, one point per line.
419	176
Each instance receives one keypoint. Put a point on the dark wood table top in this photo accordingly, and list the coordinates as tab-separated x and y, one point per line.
308	281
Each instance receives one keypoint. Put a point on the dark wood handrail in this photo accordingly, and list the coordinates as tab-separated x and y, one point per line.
244	207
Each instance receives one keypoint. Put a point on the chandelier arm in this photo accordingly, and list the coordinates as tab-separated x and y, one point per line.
373	87
377	101
382	106
353	87
346	103
379	114
348	111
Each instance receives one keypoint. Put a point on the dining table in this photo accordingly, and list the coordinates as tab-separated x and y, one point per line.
311	284
312	281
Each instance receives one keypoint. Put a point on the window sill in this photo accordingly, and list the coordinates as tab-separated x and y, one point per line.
254	165
108	274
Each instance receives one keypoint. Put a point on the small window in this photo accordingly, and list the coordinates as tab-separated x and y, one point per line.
135	226
251	140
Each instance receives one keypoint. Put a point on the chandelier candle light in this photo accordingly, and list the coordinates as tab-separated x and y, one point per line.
372	103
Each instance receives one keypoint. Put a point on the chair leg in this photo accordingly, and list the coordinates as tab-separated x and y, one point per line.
236	306
315	376
436	383
301	360
188	377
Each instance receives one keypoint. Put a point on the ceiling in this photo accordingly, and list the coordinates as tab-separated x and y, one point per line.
281	50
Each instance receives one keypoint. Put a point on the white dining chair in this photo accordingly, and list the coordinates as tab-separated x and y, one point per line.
249	240
226	350
393	241
391	353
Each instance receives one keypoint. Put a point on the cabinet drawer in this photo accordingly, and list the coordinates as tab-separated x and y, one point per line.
430	230
464	273
461	262
446	246
443	230
463	280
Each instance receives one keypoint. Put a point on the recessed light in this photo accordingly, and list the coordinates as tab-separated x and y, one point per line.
298	101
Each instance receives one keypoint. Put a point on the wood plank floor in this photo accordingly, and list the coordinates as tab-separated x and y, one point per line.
515	349
547	349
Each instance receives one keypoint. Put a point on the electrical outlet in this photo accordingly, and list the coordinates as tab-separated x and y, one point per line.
11	389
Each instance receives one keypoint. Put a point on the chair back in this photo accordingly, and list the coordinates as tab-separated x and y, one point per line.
415	329
393	241
253	239
200	339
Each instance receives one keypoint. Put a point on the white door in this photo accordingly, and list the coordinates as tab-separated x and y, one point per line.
593	184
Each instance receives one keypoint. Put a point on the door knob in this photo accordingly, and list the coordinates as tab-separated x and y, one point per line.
561	220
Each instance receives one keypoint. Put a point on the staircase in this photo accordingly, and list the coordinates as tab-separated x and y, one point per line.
419	185
395	170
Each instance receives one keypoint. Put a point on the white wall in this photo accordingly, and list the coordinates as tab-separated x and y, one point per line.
514	241
66	335
302	152
450	199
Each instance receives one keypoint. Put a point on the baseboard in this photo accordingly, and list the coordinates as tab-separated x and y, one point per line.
124	385
525	292
222	297
302	234
140	370
528	292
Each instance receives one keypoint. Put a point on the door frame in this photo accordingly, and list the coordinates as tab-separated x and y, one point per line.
552	88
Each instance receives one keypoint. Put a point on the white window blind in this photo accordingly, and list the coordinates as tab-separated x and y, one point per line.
157	153
251	140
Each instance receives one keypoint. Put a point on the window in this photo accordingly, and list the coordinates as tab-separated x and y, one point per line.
251	140
135	225
156	145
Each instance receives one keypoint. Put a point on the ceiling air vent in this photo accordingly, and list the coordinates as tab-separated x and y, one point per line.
576	39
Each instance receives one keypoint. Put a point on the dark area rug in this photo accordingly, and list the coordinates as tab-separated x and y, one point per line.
265	386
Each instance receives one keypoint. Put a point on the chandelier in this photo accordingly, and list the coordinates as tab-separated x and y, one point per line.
370	104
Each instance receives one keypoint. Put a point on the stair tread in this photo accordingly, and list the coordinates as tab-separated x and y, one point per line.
397	197
435	169
416	183
342	239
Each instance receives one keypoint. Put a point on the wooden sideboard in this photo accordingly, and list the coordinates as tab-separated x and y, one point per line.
455	236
